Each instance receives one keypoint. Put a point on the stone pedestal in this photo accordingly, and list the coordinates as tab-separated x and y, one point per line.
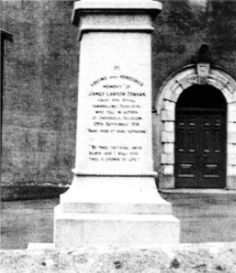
113	198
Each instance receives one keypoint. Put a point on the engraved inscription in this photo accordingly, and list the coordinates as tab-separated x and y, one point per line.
116	110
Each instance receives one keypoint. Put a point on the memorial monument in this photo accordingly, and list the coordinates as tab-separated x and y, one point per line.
113	197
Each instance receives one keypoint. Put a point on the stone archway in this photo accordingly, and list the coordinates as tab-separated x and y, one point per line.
166	105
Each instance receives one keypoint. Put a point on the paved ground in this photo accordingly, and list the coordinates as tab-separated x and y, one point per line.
206	216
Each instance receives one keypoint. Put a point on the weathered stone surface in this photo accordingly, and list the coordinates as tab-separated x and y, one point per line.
168	169
169	105
168	148
217	78
231	148
167	158
113	196
169	126
231	159
186	258
231	182
231	127
232	116
232	138
41	70
167	115
124	229
167	137
231	170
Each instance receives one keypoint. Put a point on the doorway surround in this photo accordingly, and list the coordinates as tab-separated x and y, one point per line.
167	97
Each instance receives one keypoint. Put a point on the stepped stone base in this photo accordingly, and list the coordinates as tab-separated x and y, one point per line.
108	215
75	229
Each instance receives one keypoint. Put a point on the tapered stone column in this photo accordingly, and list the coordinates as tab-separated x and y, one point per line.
113	198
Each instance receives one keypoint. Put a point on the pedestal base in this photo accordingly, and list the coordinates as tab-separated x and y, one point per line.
88	214
76	229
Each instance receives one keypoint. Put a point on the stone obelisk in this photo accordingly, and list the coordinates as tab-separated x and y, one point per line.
113	198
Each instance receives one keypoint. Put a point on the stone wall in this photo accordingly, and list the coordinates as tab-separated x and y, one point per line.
190	258
40	93
41	77
181	29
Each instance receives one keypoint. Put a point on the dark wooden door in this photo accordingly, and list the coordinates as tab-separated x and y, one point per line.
200	152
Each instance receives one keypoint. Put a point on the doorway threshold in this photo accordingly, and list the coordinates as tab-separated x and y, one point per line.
198	191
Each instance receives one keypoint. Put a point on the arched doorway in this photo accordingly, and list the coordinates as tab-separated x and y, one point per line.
200	133
199	76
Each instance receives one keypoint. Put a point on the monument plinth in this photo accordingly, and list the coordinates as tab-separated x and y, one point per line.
113	198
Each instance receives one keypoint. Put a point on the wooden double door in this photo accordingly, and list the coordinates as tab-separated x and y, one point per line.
200	149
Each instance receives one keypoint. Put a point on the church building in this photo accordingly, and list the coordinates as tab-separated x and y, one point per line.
193	100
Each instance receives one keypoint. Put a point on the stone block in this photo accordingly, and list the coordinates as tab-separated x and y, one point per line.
103	204
174	90
172	96
167	137
231	106
167	158
167	115
229	95
193	79
168	170
232	137
231	170
231	127
231	149
216	83
169	105
231	182
169	126
185	83
230	98
176	93
110	195
168	148
172	85
114	229
166	182
231	86
231	159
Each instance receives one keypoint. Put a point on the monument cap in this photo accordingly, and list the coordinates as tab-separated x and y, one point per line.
111	6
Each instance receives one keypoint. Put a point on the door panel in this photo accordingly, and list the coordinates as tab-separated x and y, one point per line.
186	150
200	150
212	151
